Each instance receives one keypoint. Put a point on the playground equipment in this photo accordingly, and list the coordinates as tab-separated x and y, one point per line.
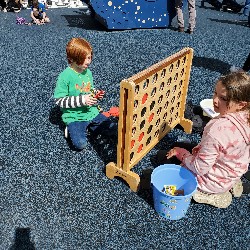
68	3
131	14
152	103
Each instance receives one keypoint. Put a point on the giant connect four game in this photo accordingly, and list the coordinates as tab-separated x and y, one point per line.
152	103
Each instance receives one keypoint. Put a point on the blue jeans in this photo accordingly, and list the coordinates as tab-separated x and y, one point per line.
100	124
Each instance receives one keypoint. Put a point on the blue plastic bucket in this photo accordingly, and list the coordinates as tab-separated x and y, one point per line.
169	206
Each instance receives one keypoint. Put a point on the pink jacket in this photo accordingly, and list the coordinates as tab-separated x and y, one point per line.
223	155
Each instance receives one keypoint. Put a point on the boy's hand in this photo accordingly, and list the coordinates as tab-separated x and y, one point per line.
90	100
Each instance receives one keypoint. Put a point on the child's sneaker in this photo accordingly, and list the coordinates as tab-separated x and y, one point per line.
222	200
237	189
66	132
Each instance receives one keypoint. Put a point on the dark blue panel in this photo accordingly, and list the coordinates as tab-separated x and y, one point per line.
130	14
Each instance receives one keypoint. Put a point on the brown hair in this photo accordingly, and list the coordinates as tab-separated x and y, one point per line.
237	85
35	4
77	50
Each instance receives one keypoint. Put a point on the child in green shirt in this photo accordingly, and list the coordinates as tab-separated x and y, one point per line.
74	95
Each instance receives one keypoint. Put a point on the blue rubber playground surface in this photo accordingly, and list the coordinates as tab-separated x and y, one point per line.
53	197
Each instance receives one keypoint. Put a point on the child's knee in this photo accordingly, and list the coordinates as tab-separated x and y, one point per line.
80	143
113	128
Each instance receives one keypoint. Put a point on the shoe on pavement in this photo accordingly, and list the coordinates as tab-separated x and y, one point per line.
237	189
222	200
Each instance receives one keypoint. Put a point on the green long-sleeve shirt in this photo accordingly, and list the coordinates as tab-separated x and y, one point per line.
75	85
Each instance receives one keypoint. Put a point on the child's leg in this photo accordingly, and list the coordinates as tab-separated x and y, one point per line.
78	134
36	21
103	125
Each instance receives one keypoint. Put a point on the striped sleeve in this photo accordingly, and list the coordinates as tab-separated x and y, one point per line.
70	101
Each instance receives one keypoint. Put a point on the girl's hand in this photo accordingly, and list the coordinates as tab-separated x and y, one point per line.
172	152
179	153
90	100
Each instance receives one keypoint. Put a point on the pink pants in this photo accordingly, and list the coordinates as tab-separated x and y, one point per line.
191	10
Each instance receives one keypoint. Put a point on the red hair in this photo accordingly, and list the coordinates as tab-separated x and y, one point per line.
77	50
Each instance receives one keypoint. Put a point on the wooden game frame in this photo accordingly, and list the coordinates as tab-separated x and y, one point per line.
152	102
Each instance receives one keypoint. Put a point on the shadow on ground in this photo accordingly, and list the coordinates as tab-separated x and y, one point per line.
84	21
236	22
211	64
22	240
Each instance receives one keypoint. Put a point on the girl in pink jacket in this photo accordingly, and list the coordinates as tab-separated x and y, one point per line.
223	155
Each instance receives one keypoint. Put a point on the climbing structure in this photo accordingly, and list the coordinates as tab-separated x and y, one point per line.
131	14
